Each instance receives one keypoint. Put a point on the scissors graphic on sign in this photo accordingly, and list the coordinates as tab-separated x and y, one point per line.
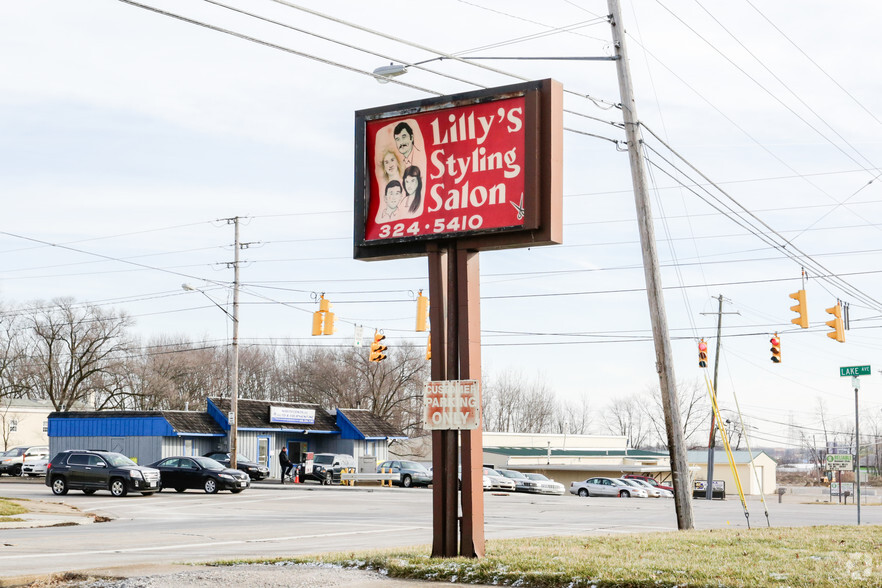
520	207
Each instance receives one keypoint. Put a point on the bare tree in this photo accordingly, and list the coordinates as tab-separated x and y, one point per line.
513	403
71	348
575	416
625	416
695	411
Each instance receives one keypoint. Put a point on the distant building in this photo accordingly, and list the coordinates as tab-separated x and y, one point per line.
756	480
572	458
264	428
23	422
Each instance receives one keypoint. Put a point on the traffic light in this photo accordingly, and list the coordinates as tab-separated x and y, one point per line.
323	319
836	324
377	348
800	307
776	348
329	328
422	312
702	354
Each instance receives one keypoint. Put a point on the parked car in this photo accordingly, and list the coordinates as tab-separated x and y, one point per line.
412	473
547	486
522	482
182	473
604	487
649	480
653	491
14	459
254	470
90	471
35	468
498	481
327	466
638	490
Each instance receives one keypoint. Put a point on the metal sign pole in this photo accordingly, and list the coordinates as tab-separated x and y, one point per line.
855	381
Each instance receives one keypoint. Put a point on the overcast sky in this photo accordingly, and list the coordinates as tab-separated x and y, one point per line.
126	134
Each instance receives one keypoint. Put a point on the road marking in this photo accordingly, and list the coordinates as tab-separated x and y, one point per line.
203	544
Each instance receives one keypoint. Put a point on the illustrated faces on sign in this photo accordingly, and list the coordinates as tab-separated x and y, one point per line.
391	166
392	197
404	140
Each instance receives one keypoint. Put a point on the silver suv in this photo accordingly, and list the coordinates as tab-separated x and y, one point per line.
326	467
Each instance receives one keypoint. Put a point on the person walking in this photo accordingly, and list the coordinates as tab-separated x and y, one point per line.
285	463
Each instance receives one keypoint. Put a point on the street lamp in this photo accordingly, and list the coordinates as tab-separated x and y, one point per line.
386	72
234	393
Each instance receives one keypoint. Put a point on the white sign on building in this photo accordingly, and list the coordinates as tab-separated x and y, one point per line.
291	415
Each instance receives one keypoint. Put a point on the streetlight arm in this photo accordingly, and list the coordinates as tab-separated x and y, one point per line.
190	288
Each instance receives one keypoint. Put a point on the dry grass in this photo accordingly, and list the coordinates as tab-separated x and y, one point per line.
840	557
8	508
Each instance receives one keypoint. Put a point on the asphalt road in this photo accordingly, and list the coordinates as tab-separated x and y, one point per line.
275	520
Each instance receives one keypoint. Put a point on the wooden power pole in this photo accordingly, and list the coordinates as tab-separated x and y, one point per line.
664	363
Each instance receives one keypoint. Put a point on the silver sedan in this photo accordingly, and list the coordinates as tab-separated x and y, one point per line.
601	486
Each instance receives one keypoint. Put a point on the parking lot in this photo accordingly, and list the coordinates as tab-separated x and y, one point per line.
274	520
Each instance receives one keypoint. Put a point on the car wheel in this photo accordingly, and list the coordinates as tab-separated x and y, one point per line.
583	492
59	486
210	486
88	491
16	470
624	494
329	478
406	481
118	487
179	489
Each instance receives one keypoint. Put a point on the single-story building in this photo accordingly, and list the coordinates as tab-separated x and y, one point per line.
264	428
23	422
572	458
763	481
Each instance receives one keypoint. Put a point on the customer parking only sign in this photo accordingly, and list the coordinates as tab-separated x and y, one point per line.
452	404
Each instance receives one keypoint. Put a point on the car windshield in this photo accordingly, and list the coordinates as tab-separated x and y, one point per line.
208	463
539	477
323	459
412	465
15	452
512	474
118	460
629	482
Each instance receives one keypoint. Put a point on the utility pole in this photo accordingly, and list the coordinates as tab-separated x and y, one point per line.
661	338
234	392
712	443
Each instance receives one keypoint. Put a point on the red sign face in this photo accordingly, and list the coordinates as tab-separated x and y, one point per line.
445	172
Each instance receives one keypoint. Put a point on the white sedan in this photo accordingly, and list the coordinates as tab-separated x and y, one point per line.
34	468
653	491
606	487
547	486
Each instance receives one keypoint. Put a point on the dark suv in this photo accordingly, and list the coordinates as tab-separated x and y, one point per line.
326	467
90	471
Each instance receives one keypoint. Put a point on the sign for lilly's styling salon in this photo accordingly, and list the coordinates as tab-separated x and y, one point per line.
290	415
484	166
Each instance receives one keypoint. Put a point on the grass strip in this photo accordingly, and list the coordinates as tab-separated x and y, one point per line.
841	557
8	508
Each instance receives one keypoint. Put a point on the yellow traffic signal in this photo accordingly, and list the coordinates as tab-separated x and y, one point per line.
801	308
836	324
317	323
776	348
422	312
377	348
702	354
429	347
329	328
324	304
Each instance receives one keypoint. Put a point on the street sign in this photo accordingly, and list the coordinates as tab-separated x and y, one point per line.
452	405
836	488
857	370
839	462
